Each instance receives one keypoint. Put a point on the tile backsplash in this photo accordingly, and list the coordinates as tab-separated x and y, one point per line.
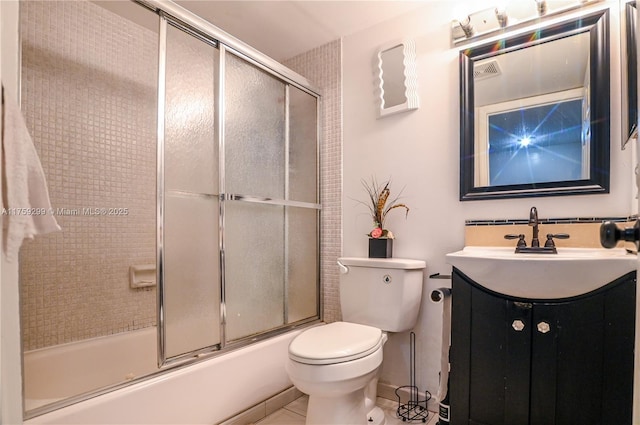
584	232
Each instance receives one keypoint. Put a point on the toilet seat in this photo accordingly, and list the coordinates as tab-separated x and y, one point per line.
336	342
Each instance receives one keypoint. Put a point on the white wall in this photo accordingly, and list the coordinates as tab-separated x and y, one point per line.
419	150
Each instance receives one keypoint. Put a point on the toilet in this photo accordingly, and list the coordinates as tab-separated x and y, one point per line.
338	364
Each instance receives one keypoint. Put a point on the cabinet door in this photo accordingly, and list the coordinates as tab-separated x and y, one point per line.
544	363
582	359
567	362
460	351
490	358
619	344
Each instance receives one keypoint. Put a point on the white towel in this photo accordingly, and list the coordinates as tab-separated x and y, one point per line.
24	189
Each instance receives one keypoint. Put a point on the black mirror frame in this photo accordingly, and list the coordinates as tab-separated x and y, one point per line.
597	24
630	130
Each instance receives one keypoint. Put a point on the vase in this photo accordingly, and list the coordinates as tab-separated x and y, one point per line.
380	248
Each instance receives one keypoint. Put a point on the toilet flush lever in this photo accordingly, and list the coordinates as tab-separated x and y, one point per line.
343	269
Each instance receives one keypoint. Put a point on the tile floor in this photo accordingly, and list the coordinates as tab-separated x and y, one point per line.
294	413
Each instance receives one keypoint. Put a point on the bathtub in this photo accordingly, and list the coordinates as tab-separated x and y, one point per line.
62	371
207	392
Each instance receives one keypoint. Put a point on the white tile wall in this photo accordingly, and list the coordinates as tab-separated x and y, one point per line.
89	99
88	95
322	67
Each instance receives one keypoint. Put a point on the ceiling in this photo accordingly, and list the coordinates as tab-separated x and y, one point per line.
523	74
283	29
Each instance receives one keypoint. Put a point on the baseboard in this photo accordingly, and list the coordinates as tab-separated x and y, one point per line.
264	408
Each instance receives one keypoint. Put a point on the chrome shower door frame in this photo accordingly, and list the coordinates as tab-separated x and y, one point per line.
174	15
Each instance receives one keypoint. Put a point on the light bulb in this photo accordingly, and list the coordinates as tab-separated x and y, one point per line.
465	24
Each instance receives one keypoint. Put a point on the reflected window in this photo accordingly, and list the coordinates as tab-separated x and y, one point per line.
534	140
537	144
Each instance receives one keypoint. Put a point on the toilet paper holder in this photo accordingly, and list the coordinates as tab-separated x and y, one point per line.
415	408
439	276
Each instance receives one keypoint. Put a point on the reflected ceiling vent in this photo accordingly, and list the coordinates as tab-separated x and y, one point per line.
486	70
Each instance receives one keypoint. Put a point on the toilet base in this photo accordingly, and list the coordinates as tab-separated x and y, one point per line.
350	406
348	409
376	417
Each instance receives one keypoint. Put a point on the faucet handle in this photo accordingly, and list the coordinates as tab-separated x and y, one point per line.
520	237
551	236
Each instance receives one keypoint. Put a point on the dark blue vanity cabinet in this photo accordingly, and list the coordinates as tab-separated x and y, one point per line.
542	362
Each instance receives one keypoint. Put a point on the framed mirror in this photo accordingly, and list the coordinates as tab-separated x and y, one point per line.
396	78
630	77
534	112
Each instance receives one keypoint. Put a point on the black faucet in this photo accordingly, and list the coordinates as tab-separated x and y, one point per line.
549	246
533	221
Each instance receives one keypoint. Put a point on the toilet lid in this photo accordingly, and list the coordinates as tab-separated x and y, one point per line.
335	343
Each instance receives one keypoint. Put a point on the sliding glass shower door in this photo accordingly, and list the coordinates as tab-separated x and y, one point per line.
205	151
239	203
190	291
271	206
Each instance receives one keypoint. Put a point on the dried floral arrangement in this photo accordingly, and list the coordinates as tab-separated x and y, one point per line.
380	205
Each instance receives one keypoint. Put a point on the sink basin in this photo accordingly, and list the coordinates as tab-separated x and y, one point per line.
570	272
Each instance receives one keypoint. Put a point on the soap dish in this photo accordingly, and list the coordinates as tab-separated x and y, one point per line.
143	276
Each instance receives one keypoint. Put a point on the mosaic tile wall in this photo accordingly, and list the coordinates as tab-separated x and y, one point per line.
89	99
322	66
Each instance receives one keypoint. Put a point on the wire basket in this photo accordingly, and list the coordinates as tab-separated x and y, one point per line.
415	409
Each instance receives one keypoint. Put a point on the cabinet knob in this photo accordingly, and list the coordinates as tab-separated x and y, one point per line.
543	327
518	325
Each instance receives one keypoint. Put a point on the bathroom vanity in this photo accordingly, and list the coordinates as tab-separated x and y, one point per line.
543	360
517	361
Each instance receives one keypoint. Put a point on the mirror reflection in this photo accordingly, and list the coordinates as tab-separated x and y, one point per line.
393	77
396	78
538	136
535	113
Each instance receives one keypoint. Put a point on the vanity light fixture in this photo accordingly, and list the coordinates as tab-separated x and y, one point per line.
501	15
466	26
496	20
542	7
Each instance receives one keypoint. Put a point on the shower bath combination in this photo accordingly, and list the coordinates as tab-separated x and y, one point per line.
206	143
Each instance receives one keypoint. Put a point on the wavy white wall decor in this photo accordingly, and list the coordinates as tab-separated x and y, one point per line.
396	78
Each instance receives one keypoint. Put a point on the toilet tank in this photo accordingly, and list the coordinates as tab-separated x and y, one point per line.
381	292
